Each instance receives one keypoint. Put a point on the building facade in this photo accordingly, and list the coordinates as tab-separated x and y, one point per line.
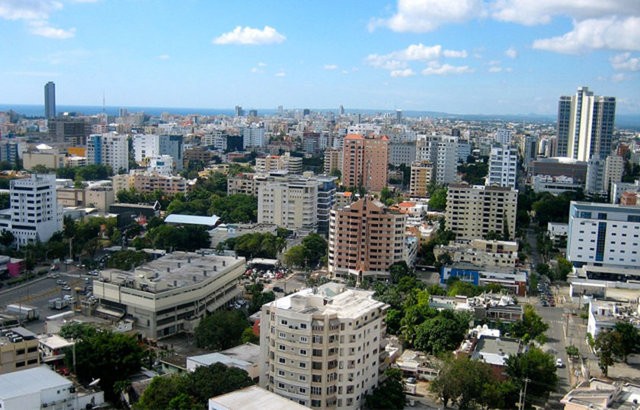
290	203
365	162
442	152
108	149
50	100
473	211
421	177
323	347
503	165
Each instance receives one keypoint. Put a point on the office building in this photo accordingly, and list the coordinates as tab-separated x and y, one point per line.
402	153
365	239
365	162
421	178
323	347
442	152
503	165
170	295
529	150
109	149
35	214
290	203
69	130
604	234
50	100
560	167
585	125
18	350
9	152
326	202
146	146
475	210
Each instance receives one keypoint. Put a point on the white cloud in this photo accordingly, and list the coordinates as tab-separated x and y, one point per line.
416	52
407	72
250	36
618	77
164	57
511	52
281	74
606	33
330	67
261	64
495	69
455	53
421	16
531	12
43	29
624	62
435	68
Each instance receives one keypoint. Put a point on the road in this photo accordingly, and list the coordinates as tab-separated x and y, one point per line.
556	342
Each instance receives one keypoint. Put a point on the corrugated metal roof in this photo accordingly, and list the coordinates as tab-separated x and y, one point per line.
192	219
29	381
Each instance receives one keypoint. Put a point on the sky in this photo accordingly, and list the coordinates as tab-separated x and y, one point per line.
454	56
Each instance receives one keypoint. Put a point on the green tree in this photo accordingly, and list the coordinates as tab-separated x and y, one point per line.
609	347
537	366
389	394
315	249
442	333
400	270
629	339
462	381
4	201
221	330
563	268
438	199
295	256
530	327
162	390
127	259
7	238
249	337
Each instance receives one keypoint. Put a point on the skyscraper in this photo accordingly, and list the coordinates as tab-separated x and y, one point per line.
50	100
365	162
585	125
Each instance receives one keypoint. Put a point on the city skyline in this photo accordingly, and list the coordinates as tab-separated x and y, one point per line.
470	57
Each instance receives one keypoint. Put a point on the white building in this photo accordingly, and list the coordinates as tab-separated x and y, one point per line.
41	387
253	136
108	149
145	146
161	164
290	203
603	234
245	357
503	165
442	151
323	347
252	398
613	171
35	214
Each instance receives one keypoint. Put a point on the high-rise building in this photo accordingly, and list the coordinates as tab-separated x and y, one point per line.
442	151
35	214
365	239
421	176
585	125
147	146
503	165
50	100
323	347
332	160
365	162
109	149
69	130
290	203
529	150
475	210
594	184
613	171
326	201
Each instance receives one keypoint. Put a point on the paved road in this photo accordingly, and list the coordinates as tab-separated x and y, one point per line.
556	343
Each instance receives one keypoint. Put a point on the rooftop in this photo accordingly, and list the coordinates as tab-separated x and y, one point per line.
253	398
495	350
29	381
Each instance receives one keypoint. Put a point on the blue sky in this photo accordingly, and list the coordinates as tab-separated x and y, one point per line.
457	56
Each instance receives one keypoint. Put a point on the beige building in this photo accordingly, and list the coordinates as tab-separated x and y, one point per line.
421	177
474	211
18	350
100	197
365	161
144	181
365	239
170	294
332	160
290	203
285	162
245	183
481	252
324	347
50	159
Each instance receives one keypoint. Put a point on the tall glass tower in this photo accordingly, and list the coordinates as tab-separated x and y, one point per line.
50	100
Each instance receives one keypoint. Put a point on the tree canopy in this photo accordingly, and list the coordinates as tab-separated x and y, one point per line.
221	330
389	394
536	366
530	327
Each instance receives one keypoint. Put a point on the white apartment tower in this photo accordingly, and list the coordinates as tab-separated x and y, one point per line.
503	165
323	347
35	215
442	151
290	203
108	149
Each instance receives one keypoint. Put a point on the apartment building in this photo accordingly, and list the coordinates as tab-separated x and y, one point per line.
365	162
145	181
421	177
365	239
332	160
109	149
100	197
172	293
475	210
285	162
481	252
503	165
604	234
18	350
442	152
244	183
151	145
290	203
324	347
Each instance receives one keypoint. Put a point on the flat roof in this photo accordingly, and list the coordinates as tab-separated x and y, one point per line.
253	398
29	381
192	219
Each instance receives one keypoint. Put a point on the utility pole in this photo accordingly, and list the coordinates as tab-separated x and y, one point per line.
523	396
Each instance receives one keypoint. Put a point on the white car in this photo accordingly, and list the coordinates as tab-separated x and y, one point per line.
559	362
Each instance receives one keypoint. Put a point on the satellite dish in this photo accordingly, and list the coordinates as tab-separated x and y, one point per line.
94	383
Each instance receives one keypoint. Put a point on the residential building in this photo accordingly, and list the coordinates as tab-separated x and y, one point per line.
326	202
585	125
365	162
332	160
244	357
109	149
43	155
365	239
18	350
161	164
613	171
244	183
495	350
35	214
421	177
285	162
170	295
529	150
481	252
604	314
144	146
50	100
596	394
253	136
595	177
9	152
252	398
145	181
503	165
512	280
69	130
618	188
147	146
604	234
100	197
290	203
323	347
475	210
503	136
442	152
402	153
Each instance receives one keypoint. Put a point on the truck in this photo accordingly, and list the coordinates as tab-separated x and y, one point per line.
24	312
58	303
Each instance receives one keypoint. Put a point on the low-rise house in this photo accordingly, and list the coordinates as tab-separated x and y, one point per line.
596	394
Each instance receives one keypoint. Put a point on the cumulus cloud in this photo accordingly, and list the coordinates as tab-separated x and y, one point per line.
41	28
330	67
436	68
607	33
250	36
36	13
511	52
420	16
624	62
407	72
455	53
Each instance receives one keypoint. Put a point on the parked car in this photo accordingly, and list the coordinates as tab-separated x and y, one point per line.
559	362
